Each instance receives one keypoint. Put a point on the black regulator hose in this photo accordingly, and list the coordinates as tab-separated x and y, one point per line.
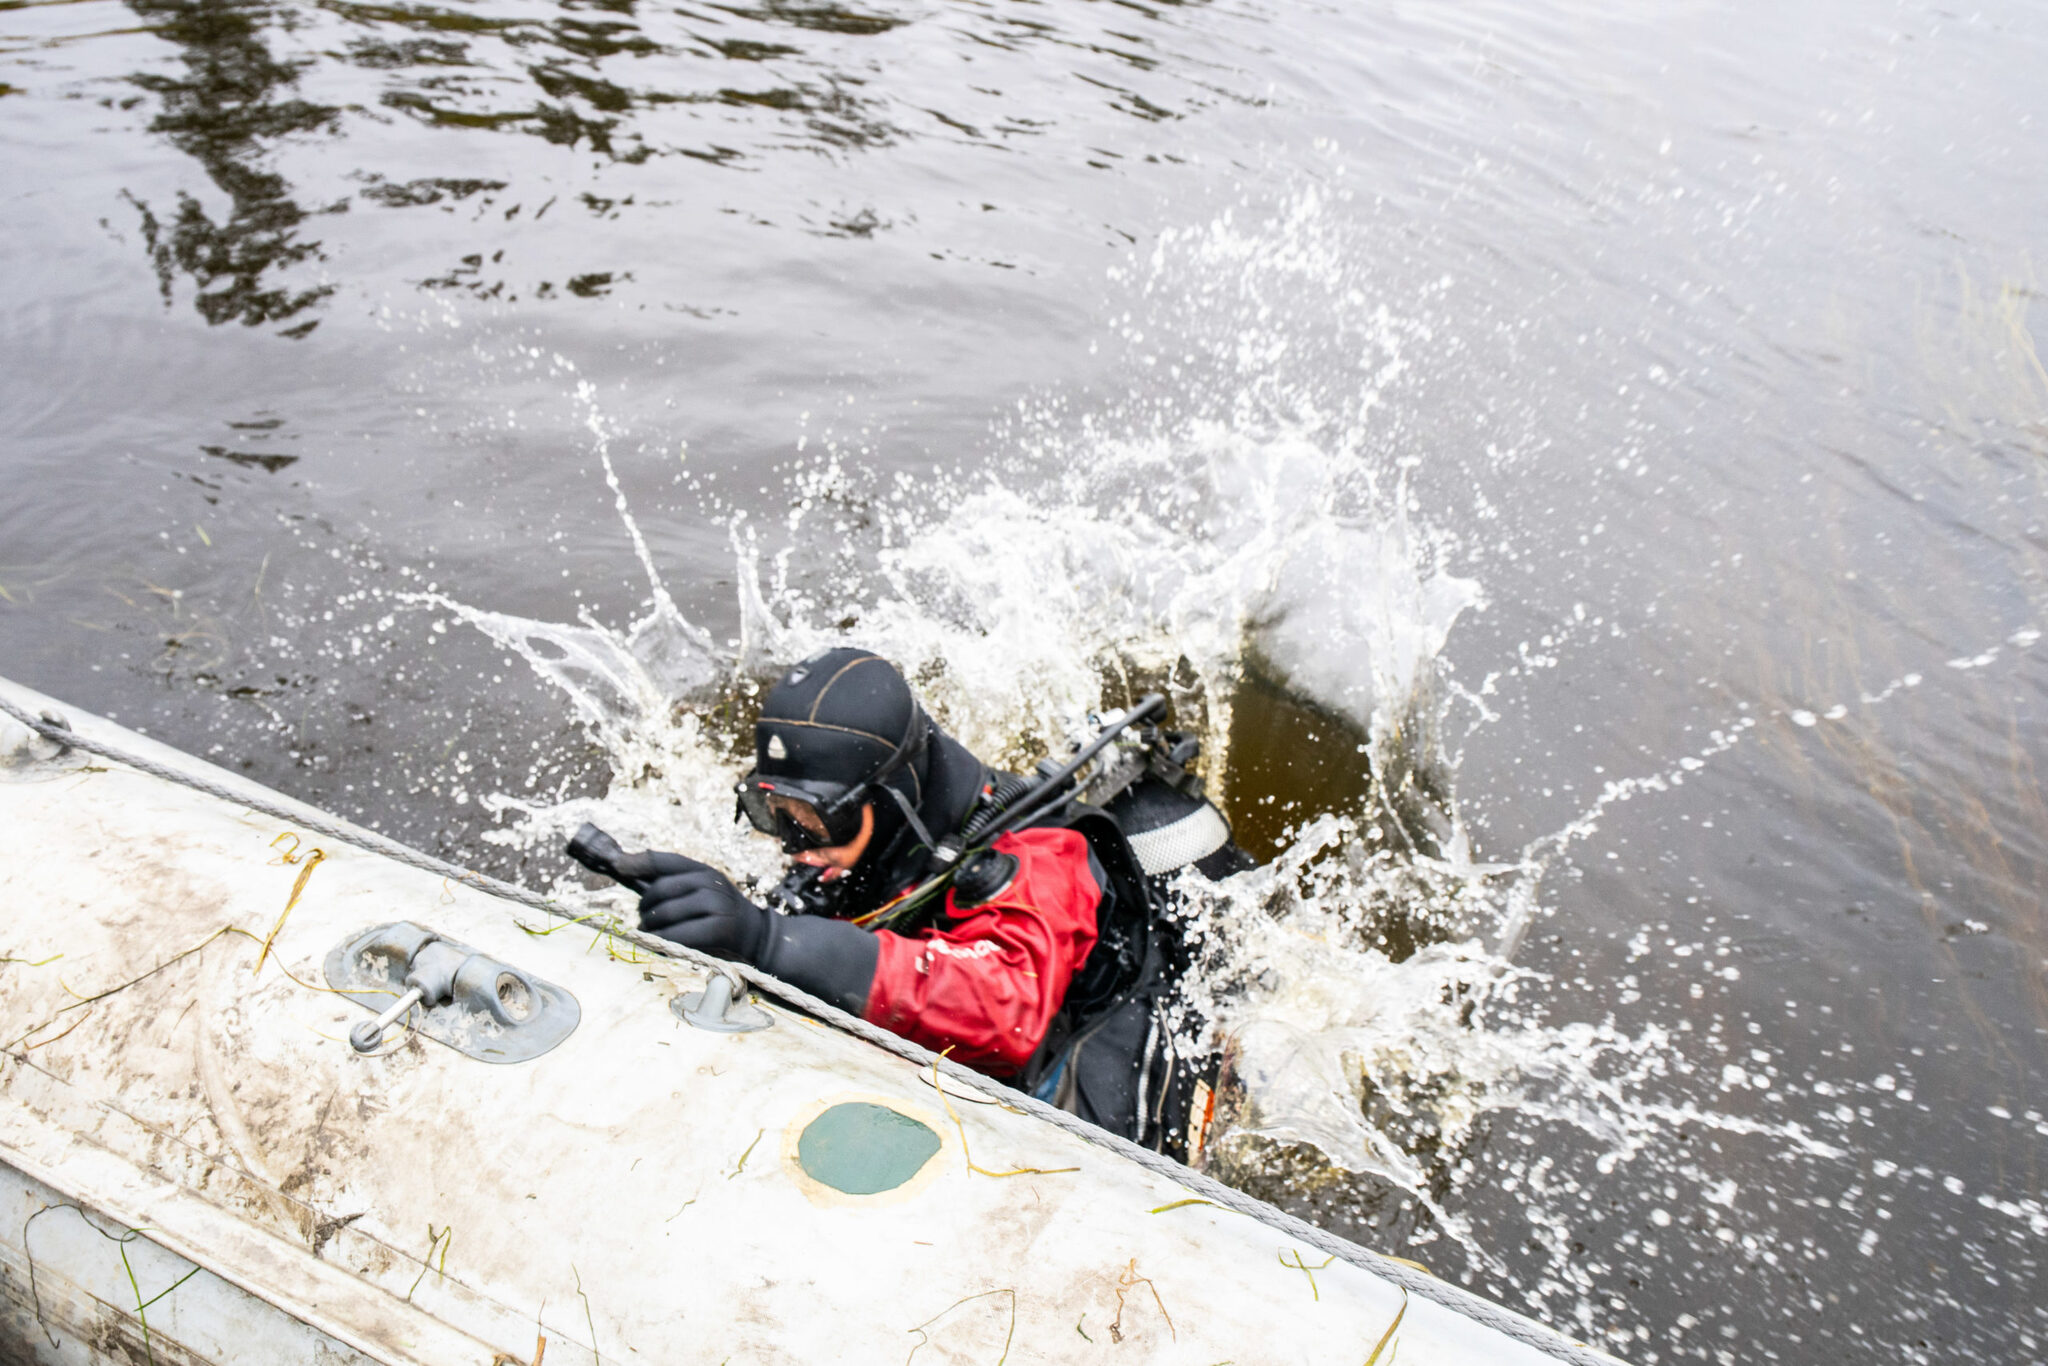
1053	789
1007	813
1007	789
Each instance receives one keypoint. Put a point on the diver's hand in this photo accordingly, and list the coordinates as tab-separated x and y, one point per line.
693	904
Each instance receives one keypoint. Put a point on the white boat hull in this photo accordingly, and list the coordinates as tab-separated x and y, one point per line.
646	1191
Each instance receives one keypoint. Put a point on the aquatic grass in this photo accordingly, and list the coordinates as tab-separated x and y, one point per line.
121	1241
84	771
1983	360
256	587
26	581
589	1319
141	1305
29	1251
40	1043
608	927
300	982
441	1238
1985	371
1181	1204
563	924
83	1001
289	857
1300	1264
958	1124
1386	1337
1128	1280
741	1165
609	937
925	1338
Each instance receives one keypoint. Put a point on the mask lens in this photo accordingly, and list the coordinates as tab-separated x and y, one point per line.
754	802
796	817
800	813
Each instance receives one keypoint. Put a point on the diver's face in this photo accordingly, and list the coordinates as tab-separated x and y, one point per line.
844	856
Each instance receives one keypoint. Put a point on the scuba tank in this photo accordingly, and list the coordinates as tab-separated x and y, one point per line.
1159	822
1110	1056
1160	806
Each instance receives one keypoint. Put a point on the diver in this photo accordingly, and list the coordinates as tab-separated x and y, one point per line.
1023	925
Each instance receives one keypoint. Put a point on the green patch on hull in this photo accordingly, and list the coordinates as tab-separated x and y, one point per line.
863	1149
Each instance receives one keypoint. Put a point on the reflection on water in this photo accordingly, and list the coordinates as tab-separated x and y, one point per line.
229	110
726	85
236	104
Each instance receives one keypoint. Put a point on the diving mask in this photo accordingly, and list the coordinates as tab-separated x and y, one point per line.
803	815
815	813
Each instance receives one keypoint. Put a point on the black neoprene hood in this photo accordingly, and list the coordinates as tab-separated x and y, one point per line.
835	718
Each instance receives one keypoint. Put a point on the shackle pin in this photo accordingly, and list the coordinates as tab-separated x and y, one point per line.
367	1034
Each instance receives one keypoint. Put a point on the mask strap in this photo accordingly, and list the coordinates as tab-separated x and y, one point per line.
908	748
910	814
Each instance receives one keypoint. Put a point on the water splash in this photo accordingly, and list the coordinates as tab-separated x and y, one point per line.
647	694
1256	514
1350	977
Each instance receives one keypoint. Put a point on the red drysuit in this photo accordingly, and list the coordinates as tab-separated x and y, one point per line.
988	980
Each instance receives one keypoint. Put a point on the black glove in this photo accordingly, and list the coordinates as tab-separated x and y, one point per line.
693	904
834	960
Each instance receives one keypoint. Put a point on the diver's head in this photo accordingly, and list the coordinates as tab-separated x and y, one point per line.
834	731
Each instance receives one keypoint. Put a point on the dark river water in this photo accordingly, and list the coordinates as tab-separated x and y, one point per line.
1584	467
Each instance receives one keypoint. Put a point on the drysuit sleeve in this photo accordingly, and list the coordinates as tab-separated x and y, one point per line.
988	980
